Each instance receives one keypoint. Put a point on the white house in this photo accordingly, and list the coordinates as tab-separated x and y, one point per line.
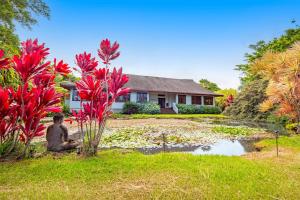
167	92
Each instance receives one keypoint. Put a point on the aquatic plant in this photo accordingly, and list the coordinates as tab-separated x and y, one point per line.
235	130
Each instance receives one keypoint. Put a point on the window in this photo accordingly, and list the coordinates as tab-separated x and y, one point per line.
141	97
208	100
181	99
75	96
196	100
123	98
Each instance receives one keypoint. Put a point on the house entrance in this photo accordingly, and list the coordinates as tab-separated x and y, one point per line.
162	102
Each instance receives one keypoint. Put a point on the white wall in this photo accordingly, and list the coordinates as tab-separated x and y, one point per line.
153	97
188	99
133	96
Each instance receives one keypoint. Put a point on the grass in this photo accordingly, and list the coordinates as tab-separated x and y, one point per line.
167	116
283	141
119	174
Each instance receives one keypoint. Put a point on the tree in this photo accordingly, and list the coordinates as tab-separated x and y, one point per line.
223	101
261	47
22	109
209	85
20	11
243	102
98	89
246	103
283	90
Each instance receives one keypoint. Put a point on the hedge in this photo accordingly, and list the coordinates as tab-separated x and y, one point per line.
138	108
196	109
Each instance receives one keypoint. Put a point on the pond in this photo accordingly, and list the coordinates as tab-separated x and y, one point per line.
197	136
224	147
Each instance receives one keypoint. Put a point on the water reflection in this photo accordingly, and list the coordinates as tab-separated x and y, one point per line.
222	147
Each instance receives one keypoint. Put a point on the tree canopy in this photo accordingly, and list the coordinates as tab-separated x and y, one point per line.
253	86
283	72
11	12
261	47
246	104
209	85
20	11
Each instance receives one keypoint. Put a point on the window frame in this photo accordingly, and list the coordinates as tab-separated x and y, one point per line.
196	100
180	97
145	97
205	100
77	95
126	98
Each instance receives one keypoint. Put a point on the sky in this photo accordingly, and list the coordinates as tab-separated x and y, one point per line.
190	39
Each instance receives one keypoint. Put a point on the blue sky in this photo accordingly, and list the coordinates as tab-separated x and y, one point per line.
169	38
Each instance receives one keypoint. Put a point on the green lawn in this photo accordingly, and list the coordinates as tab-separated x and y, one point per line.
120	174
283	141
167	116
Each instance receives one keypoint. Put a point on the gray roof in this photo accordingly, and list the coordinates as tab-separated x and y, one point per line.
160	84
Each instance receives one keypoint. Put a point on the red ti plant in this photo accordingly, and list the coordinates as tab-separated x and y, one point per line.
98	89
229	100
23	109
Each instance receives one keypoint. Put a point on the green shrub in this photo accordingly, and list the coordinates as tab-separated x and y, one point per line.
196	109
292	127
66	109
131	108
186	109
146	108
149	108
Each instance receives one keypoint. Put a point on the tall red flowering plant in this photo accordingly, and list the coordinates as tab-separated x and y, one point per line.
21	110
98	89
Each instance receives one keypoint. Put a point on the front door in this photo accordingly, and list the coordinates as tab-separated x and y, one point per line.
162	102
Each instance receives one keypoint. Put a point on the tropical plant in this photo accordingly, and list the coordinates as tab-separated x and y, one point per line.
23	108
98	89
227	98
279	44
253	85
283	72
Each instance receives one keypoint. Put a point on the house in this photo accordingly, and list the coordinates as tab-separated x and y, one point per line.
167	92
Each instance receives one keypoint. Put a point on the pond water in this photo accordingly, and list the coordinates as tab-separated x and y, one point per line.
221	147
226	147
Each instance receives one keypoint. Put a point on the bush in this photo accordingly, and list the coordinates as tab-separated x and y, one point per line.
186	109
137	108
149	108
292	127
131	108
66	109
195	109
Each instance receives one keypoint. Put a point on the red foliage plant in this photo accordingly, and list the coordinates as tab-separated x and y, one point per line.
98	89
23	109
229	100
